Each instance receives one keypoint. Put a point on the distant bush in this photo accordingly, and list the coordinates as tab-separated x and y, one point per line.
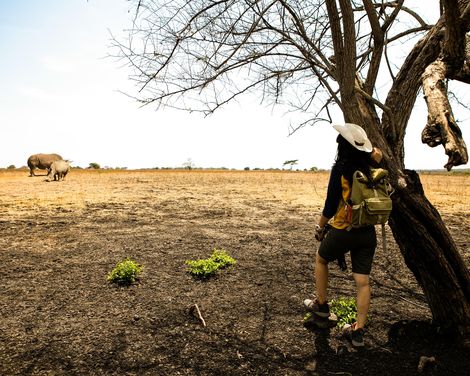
464	171
11	167
247	169
125	273
189	164
94	166
204	268
291	163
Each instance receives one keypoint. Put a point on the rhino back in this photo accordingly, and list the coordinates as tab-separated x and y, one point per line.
60	166
42	161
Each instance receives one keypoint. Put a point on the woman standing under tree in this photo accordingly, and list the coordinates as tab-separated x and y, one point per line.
355	152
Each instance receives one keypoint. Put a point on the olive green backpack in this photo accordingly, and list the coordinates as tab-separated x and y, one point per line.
370	201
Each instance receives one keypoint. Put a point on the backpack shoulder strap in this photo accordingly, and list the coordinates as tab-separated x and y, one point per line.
378	174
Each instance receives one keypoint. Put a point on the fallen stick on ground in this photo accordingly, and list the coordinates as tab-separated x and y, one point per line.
194	308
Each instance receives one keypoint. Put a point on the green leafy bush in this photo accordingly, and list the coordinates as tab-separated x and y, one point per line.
204	268
222	258
125	273
345	309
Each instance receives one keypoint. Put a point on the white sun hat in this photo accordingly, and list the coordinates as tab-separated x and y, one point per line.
355	135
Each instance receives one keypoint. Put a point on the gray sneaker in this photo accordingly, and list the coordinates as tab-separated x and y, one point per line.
356	336
321	310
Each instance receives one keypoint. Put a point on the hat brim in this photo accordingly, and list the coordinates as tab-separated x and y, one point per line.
346	130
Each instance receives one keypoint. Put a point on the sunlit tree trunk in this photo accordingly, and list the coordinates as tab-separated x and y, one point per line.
424	241
433	257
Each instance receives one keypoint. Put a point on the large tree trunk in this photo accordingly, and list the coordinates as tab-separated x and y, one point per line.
424	241
427	246
433	257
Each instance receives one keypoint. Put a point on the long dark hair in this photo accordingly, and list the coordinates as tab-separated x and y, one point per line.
349	159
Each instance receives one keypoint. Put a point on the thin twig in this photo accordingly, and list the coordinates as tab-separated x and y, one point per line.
199	316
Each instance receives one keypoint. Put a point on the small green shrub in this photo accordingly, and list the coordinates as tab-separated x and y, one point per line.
204	268
125	273
220	257
345	309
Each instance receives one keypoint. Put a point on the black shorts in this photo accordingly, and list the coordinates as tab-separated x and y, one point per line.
361	242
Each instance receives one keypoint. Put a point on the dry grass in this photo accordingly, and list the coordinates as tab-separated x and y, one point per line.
22	196
448	193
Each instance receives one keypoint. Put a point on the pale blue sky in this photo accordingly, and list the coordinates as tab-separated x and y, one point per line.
59	93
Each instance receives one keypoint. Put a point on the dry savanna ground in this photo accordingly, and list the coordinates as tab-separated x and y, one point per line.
60	316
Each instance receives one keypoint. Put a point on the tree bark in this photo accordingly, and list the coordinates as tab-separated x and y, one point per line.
402	96
441	127
433	257
424	241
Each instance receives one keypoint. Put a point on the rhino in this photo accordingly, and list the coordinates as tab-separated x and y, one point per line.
59	170
42	162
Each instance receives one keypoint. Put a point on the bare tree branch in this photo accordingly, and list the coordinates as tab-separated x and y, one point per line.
378	38
408	32
454	41
465	18
348	55
462	75
441	127
389	20
202	54
397	5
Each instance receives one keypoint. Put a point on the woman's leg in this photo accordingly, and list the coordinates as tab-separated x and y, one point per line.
363	298
321	278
